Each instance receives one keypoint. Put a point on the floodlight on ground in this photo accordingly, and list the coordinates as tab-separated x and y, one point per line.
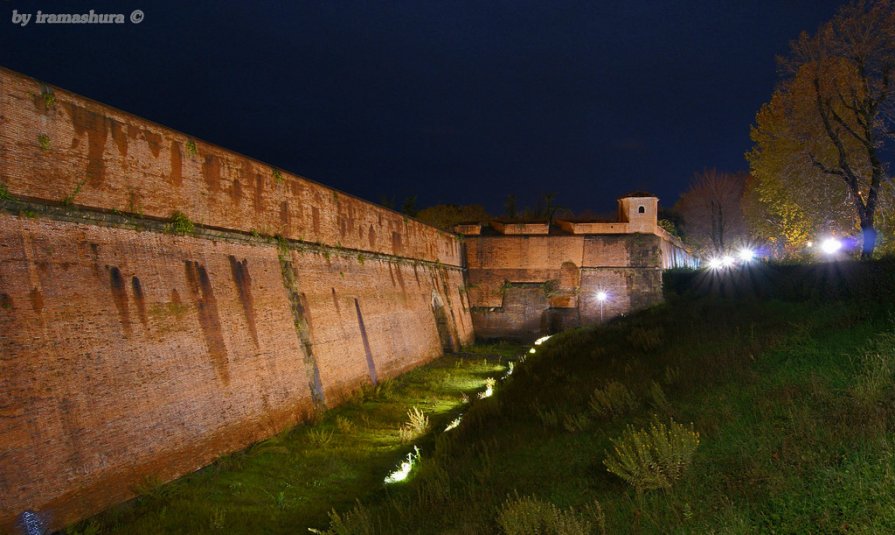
746	254
715	263
831	246
727	261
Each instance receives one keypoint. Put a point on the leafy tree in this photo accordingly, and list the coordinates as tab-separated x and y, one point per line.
509	206
445	216
712	217
409	206
821	143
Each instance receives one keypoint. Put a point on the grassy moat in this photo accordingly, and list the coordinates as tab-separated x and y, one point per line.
793	402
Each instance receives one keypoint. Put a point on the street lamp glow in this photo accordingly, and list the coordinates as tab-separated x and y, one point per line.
746	254
602	296
831	246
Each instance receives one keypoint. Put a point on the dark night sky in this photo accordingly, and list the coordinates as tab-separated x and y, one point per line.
453	101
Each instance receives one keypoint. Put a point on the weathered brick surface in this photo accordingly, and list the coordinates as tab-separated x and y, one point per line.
128	353
129	164
527	286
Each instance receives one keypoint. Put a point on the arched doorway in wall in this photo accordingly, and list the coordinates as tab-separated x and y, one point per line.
442	323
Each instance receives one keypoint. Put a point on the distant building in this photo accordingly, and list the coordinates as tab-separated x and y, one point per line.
530	279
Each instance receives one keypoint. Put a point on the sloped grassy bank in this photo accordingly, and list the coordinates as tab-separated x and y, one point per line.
291	481
793	402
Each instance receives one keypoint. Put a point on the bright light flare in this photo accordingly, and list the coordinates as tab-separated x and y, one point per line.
831	246
602	296
541	340
715	263
727	261
455	423
404	469
746	254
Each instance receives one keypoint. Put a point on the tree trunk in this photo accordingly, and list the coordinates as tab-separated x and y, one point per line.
868	238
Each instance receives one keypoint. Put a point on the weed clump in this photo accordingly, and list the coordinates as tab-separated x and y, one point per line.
180	224
652	458
417	423
4	192
320	437
529	515
613	400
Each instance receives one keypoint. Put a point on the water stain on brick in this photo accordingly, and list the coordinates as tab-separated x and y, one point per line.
243	281
140	300
258	199
6	301
176	175
119	296
211	171
301	320
155	142
37	300
284	215
68	416
315	215
335	302
392	275
236	191
120	137
396	243
400	277
372	237
209	317
94	125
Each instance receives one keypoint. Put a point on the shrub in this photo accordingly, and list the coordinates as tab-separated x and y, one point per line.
652	458
345	425
575	422
180	224
417	423
320	437
531	516
613	401
357	521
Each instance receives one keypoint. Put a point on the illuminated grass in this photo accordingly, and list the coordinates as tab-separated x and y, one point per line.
293	480
791	402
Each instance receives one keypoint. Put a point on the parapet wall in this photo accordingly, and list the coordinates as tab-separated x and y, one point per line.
58	146
528	286
127	351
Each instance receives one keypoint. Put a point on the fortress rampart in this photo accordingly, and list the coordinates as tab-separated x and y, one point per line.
128	350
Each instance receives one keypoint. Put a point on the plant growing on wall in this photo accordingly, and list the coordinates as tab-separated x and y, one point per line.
67	201
4	192
44	141
277	175
180	224
551	287
191	148
49	98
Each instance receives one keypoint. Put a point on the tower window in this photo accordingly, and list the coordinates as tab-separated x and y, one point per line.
641	210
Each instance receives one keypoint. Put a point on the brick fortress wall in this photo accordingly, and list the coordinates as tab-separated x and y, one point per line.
529	280
127	351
